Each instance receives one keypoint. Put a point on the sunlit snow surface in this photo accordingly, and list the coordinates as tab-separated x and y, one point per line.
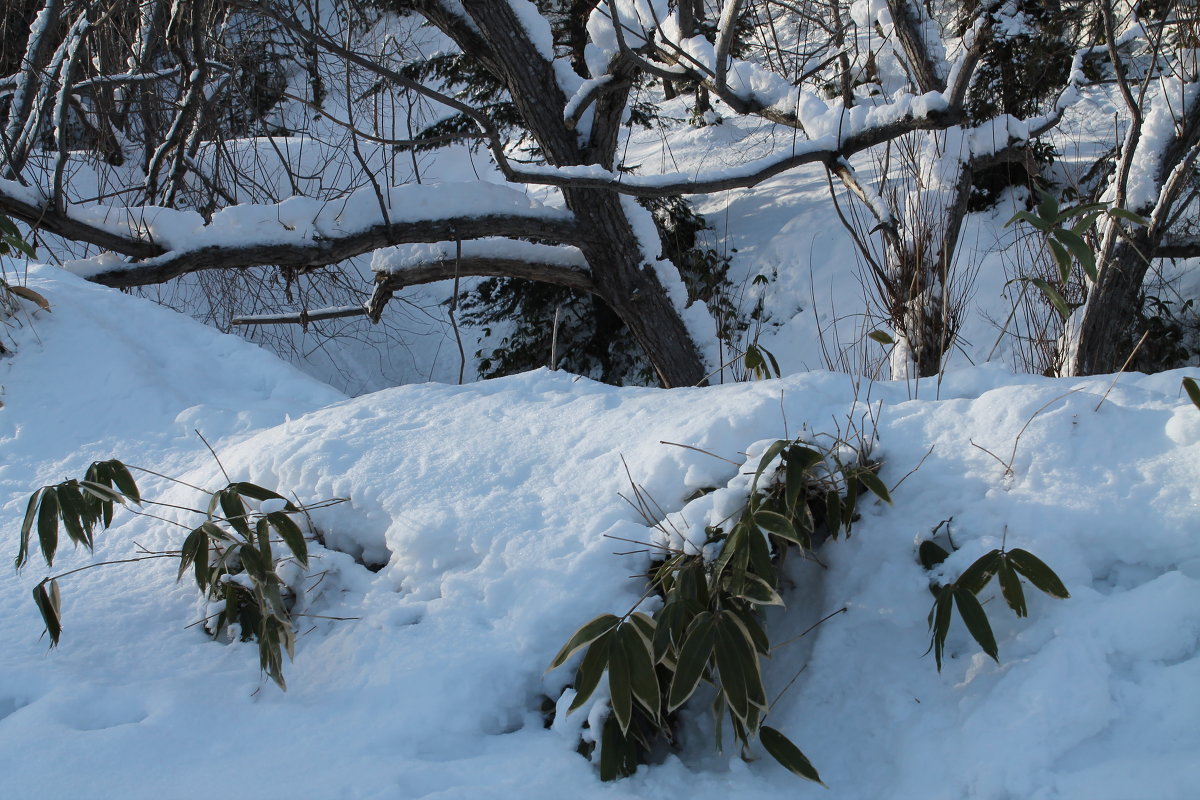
493	507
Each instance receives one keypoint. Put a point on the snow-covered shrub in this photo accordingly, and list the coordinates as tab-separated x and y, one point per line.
713	579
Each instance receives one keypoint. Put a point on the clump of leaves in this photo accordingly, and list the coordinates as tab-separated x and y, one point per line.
1067	241
709	629
232	553
1009	566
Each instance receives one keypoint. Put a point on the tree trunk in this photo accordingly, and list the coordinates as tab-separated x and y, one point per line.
619	270
1111	310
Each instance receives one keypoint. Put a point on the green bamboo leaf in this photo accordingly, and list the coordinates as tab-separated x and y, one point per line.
761	562
48	524
976	620
939	623
1038	573
976	576
620	682
618	759
1079	249
234	510
643	678
253	561
833	512
1062	258
124	481
289	531
693	658
1189	386
732	670
931	554
587	633
758	591
741	642
777	524
873	484
1085	222
194	549
27	527
797	464
1129	216
881	337
1047	207
1051	294
644	625
73	514
1010	587
780	748
1083	209
768	456
667	627
48	604
256	492
753	629
1037	222
591	669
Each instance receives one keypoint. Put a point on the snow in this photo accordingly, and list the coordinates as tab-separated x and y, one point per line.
490	507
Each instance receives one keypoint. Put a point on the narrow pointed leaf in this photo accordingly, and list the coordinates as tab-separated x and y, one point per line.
777	524
587	633
1053	296
976	576
124	481
49	611
1038	573
693	658
234	510
772	451
976	620
881	337
620	682
939	623
1025	216
758	591
1129	216
290	532
1047	208
27	527
742	644
780	748
1062	259
591	669
874	485
643	678
48	524
1010	587
1079	249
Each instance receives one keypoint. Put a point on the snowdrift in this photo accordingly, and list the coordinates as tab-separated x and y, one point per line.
485	523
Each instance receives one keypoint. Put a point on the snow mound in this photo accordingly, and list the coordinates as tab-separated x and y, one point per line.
493	510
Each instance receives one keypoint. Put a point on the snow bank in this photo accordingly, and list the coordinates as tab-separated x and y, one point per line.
494	510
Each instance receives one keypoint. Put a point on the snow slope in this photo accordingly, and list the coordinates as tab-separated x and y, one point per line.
491	507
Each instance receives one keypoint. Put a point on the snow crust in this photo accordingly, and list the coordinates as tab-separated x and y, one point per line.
490	507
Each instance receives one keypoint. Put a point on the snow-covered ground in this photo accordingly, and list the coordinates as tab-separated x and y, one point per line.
492	508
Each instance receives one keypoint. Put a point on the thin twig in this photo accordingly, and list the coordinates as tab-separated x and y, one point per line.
214	455
701	450
1121	371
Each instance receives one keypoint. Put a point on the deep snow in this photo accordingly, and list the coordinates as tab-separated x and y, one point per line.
490	506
